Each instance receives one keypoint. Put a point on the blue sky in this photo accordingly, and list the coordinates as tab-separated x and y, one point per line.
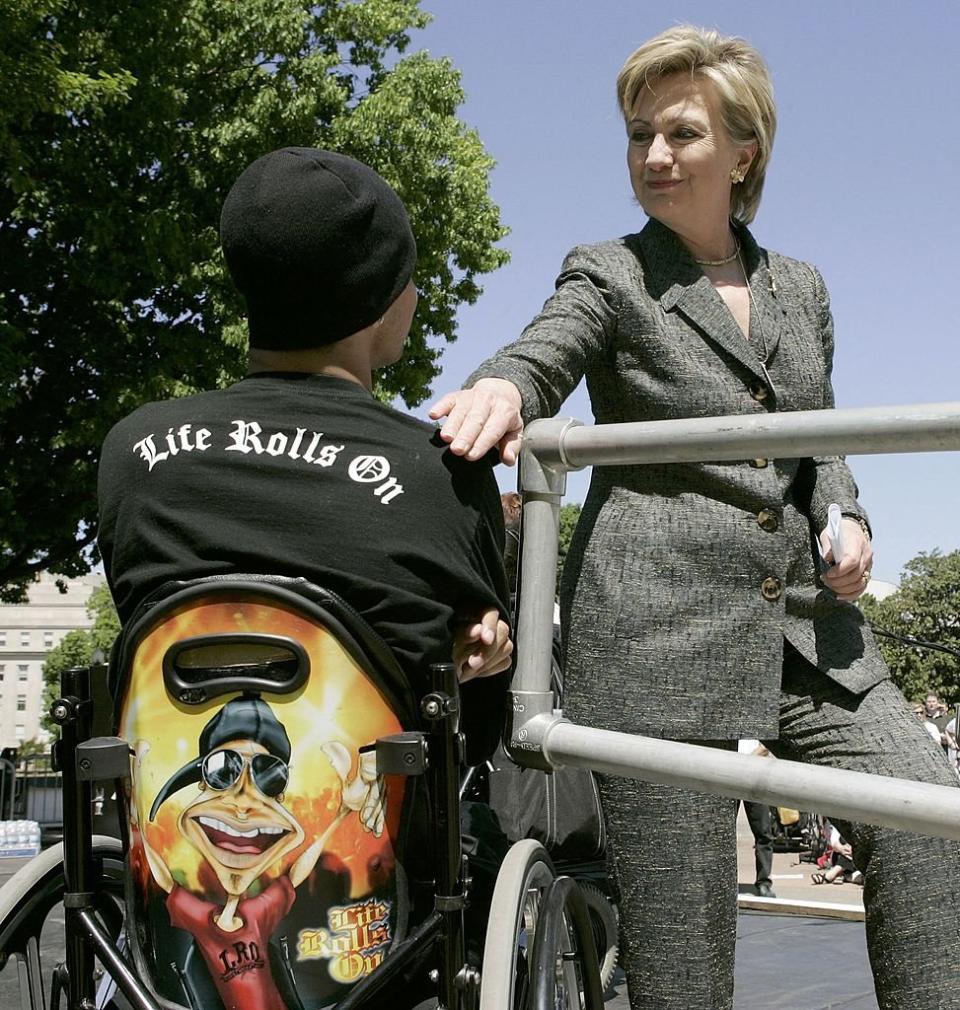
863	182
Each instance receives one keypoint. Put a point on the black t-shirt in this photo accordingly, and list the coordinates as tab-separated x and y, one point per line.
309	476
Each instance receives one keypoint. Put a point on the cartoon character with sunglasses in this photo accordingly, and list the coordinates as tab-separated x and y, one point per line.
240	826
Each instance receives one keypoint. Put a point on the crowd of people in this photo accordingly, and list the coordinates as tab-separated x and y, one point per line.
940	721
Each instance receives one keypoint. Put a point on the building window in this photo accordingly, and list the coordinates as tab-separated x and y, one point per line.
23	670
24	639
21	703
3	638
48	639
20	732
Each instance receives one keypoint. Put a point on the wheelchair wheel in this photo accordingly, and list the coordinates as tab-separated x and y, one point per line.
32	924
606	931
564	968
525	875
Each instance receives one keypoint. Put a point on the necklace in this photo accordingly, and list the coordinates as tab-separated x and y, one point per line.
720	263
755	317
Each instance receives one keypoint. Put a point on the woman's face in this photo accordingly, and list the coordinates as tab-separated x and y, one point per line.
680	155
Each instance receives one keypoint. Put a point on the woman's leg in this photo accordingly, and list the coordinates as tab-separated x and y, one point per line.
672	855
911	881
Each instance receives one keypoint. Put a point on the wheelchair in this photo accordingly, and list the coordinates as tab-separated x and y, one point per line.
290	833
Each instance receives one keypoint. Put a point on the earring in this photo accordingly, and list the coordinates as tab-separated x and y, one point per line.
737	174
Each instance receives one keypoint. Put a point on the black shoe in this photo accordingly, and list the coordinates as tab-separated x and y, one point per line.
764	891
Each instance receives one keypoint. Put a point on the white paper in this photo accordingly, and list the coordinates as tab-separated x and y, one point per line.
834	518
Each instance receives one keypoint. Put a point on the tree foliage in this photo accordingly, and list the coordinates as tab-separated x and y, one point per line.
569	516
121	130
76	648
926	607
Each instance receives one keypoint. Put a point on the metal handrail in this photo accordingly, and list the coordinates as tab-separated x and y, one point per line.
929	427
541	737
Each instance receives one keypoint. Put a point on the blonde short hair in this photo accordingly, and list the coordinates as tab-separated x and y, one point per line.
743	85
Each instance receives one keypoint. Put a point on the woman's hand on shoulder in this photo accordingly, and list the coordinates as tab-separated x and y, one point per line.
848	575
477	419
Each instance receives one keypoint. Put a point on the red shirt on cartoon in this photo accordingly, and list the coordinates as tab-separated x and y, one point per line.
238	961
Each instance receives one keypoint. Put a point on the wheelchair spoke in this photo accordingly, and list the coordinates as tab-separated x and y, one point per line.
31	977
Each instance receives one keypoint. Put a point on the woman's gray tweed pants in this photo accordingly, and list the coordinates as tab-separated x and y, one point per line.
672	856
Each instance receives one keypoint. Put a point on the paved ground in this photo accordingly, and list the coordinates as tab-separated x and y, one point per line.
790	963
803	950
792	883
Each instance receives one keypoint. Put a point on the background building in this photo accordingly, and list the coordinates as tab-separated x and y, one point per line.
879	589
28	631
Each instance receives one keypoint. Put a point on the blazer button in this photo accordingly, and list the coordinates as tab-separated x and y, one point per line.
768	521
759	391
759	463
771	588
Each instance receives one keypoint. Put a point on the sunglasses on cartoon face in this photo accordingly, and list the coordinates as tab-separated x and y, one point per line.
222	769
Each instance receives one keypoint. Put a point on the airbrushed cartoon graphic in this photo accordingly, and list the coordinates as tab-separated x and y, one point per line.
238	822
264	862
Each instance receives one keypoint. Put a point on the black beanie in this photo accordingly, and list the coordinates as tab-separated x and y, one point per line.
317	243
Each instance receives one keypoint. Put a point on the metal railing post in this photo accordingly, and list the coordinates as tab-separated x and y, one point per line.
543	482
541	737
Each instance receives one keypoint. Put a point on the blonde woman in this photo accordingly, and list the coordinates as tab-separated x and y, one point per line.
693	599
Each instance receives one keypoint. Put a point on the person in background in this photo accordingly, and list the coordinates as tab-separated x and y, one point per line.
936	716
842	867
953	752
693	603
512	505
761	827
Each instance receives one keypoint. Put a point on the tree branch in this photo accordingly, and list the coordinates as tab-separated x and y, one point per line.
18	570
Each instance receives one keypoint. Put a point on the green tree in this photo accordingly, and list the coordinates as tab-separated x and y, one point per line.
121	130
926	608
569	516
36	80
28	748
76	648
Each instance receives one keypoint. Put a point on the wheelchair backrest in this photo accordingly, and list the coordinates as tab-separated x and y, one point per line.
265	851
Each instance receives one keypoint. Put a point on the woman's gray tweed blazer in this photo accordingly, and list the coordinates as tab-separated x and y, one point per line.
683	579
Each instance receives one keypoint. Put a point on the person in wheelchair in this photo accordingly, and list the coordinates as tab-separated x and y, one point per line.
296	471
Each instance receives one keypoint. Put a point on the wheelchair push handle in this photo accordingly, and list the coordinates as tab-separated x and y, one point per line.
199	669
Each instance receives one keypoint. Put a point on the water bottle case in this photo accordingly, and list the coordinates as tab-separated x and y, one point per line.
19	839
